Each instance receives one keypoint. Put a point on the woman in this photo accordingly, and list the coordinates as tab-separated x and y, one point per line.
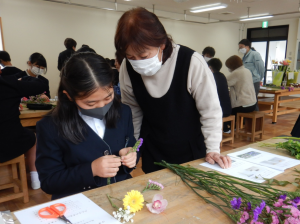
16	140
80	142
253	61
242	93
37	66
171	92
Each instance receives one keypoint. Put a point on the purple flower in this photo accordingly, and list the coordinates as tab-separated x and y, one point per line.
295	205
262	205
236	203
257	211
296	200
282	87
283	197
248	206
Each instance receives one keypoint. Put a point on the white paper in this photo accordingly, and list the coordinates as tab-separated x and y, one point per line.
290	75
265	159
245	170
80	210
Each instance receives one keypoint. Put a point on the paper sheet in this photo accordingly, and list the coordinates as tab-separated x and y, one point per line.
265	159
245	170
80	210
290	75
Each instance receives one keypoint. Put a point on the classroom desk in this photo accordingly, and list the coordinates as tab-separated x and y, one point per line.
279	96
184	206
30	117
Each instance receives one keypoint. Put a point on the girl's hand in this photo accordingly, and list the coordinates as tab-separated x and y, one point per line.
106	166
128	160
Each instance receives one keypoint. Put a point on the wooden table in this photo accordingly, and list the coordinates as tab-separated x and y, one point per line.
184	206
279	96
30	117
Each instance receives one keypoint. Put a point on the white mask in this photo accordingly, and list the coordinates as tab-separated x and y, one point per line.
243	50
147	67
37	71
206	58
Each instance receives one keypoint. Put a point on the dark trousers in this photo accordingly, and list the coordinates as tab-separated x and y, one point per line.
257	88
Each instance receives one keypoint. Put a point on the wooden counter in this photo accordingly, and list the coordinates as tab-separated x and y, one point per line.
184	206
30	117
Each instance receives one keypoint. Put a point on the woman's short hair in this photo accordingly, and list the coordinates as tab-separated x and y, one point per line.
140	28
70	43
234	62
246	42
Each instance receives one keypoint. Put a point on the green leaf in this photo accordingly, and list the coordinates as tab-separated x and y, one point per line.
295	184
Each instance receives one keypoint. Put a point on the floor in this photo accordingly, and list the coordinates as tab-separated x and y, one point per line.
283	127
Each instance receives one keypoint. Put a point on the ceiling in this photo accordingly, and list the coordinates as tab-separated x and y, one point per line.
235	9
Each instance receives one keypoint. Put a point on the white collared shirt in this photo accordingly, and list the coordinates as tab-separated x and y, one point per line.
97	125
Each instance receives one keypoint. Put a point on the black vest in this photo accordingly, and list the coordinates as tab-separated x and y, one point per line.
171	126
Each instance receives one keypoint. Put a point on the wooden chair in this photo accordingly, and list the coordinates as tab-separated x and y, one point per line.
16	182
254	124
228	137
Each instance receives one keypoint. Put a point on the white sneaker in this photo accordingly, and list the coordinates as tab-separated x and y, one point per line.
227	132
35	185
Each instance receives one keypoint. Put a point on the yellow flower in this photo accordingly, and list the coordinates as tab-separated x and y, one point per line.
135	200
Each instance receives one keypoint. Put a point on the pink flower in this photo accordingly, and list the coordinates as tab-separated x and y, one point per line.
158	204
275	219
24	99
295	212
268	209
285	63
279	203
292	220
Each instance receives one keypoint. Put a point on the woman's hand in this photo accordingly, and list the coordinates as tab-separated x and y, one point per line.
44	97
128	160
223	161
106	166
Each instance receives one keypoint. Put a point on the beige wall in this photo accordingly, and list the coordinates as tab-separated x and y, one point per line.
292	38
37	26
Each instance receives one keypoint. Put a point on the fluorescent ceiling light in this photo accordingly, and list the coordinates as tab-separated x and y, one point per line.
205	8
254	18
108	9
258	15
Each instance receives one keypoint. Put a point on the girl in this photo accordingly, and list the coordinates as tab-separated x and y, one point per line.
80	142
37	66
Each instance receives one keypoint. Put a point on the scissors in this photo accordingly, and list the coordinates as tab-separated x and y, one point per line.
54	212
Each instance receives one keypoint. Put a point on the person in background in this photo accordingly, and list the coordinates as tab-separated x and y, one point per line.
88	136
208	53
215	66
252	60
85	48
16	140
5	62
70	45
242	93
172	94
37	67
118	62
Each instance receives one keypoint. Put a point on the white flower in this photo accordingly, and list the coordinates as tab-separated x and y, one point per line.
127	212
120	209
131	220
114	213
128	207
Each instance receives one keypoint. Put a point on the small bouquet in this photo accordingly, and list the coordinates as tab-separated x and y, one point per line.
136	146
38	99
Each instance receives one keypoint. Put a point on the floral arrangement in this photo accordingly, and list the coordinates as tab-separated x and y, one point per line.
279	71
241	200
133	202
38	99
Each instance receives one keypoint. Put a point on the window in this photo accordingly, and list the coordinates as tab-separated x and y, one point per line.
1	37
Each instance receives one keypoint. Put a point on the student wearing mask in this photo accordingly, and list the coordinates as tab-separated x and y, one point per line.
70	45
86	138
242	93
85	48
5	62
37	67
208	53
252	60
14	139
171	92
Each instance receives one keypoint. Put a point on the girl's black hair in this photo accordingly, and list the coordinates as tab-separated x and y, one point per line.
247	42
38	59
81	76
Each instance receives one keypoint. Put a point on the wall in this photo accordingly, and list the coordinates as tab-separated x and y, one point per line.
292	36
37	26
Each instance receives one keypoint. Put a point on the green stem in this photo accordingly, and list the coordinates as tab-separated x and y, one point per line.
112	204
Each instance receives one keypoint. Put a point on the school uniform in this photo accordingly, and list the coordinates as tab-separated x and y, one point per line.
63	57
14	139
42	78
65	168
9	70
176	111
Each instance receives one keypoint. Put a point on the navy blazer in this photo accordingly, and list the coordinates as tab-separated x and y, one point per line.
64	168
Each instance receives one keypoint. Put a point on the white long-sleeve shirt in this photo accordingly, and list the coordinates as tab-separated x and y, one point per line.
200	84
97	125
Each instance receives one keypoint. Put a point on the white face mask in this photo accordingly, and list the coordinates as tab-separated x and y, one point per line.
147	67
243	50
206	58
37	71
